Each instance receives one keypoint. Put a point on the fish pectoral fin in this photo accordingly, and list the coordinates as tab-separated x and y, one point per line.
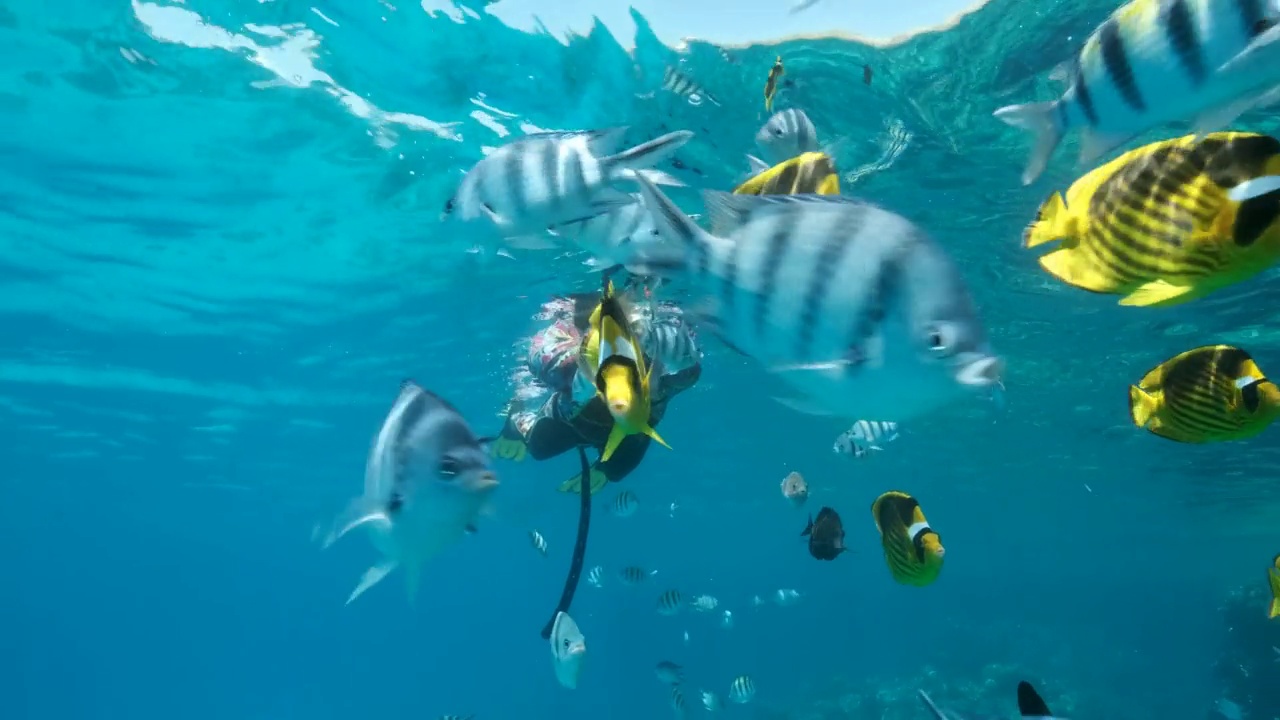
657	177
371	577
1069	266
1158	293
1219	118
756	165
616	436
361	511
648	430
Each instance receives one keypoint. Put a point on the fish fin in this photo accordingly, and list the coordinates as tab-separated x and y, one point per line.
358	512
808	529
1052	223
1142	406
645	155
648	430
1030	704
1159	293
1043	121
371	577
532	242
1064	263
1061	73
1261	50
616	435
657	177
1222	116
1257	187
756	165
605	141
1093	145
680	232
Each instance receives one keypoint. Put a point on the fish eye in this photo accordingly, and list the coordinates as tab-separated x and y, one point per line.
565	642
777	132
941	338
448	206
448	468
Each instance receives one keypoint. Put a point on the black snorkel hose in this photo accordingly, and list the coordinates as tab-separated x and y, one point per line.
579	546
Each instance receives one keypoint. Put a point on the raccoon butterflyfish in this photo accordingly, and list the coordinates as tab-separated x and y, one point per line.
912	549
771	84
1208	394
622	379
1167	222
1273	575
807	174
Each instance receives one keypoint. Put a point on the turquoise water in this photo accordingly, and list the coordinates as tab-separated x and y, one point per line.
222	253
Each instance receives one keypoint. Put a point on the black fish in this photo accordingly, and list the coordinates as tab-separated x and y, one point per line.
866	74
826	535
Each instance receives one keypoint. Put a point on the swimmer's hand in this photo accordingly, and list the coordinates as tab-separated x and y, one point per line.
574	484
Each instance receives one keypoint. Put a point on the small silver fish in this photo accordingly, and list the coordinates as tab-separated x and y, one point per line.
669	603
887	328
677	82
783	598
742	689
786	134
727	621
426	482
625	504
547	179
669	672
595	576
704	603
568	650
677	701
712	701
539	543
632	575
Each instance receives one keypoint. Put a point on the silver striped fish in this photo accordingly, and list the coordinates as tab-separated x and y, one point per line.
677	82
1154	62
595	577
852	305
786	134
669	343
539	543
553	178
711	701
670	602
632	575
865	436
677	701
625	504
742	689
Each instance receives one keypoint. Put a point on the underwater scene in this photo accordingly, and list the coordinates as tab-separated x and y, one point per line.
386	360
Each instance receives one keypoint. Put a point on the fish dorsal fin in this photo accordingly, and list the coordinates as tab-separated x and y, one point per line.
756	165
1030	704
808	529
602	142
727	212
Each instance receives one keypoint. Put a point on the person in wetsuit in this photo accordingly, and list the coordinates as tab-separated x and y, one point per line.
572	413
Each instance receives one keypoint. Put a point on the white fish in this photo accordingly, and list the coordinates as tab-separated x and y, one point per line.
595	576
670	602
677	82
865	436
785	597
568	650
851	305
606	234
786	134
632	575
539	543
548	179
669	672
704	603
742	689
669	343
1154	62
625	504
727	621
427	480
711	701
686	638
677	701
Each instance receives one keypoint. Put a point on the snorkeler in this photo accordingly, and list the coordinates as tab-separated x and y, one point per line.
573	414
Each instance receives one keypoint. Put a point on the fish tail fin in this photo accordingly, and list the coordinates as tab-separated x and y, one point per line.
1030	704
1141	406
1049	224
616	435
1044	121
626	164
648	430
680	235
371	577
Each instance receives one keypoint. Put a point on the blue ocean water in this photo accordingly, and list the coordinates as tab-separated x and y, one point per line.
222	253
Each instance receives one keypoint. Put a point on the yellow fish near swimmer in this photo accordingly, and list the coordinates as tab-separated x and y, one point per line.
622	379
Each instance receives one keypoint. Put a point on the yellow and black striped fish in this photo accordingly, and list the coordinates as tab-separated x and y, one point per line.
771	84
1167	222
1273	577
1208	394
806	174
912	549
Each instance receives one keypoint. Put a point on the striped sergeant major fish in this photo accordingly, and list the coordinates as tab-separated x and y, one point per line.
850	304
677	82
426	482
786	134
554	178
669	341
865	436
1154	62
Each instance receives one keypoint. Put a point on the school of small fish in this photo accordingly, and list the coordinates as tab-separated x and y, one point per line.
855	307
